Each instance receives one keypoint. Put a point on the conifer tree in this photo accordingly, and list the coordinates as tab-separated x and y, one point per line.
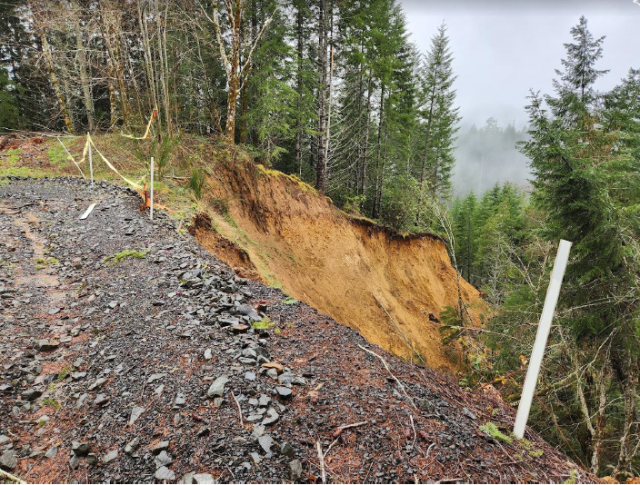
439	120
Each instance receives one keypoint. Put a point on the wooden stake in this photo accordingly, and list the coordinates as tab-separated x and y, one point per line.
151	211
90	161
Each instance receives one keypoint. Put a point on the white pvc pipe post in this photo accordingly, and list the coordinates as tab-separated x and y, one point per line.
90	160
151	211
544	327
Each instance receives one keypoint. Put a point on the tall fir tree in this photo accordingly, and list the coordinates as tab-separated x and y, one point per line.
439	120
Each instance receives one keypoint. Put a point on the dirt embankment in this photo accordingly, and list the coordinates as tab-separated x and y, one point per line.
389	287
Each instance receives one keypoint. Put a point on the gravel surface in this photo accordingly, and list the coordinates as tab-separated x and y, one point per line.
147	367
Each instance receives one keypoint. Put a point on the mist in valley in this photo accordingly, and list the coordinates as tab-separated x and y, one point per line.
487	155
503	50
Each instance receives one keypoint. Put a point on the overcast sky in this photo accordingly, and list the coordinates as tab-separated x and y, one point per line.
503	48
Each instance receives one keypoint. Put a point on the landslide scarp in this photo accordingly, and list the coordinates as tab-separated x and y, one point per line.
391	287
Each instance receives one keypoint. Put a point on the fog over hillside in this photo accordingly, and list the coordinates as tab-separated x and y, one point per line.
502	50
487	155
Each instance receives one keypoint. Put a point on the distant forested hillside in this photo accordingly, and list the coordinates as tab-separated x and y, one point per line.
488	156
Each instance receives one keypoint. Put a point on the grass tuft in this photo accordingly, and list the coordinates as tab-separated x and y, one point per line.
493	431
264	324
122	255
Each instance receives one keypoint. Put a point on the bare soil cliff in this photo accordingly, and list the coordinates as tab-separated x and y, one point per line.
390	287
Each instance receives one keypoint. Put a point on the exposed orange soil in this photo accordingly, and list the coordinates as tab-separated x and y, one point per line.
347	268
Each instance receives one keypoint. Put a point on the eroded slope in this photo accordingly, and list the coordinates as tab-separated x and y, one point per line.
391	288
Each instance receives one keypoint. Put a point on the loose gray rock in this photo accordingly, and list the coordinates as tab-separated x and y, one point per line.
163	445
163	459
469	414
51	452
155	377
132	446
46	345
32	394
287	450
266	442
296	469
272	417
9	460
187	478
283	392
217	388
136	412
163	473
80	449
112	455
203	478
97	384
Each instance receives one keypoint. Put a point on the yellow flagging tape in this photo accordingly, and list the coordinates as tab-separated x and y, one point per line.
71	157
154	115
135	185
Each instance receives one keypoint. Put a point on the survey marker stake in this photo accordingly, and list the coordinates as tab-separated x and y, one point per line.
90	161
151	207
548	309
87	212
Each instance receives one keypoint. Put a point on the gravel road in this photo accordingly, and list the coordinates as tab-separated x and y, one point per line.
130	354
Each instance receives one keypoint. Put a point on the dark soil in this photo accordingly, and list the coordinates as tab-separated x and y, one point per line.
147	337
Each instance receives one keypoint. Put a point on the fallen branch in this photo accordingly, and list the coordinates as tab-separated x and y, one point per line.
338	432
415	435
11	477
239	409
321	458
384	362
354	425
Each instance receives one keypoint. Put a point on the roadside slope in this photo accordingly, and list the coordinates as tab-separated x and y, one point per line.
392	288
127	359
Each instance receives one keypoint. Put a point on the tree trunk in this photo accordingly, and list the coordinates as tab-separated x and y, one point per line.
356	172
164	66
111	25
628	375
328	142
151	77
84	77
321	162
601	418
374	213
234	73
363	168
300	49
64	112
425	160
